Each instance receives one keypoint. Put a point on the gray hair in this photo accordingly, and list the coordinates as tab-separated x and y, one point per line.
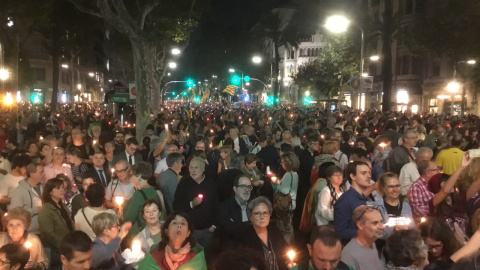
409	131
154	143
172	158
236	161
124	162
103	221
142	169
422	151
32	168
199	161
257	201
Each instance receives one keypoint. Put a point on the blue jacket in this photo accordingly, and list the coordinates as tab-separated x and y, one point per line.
343	210
406	212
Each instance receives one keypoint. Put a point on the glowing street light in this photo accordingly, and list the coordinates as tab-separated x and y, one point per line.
172	65
256	59
176	51
8	100
337	23
374	58
91	74
64	65
453	87
471	62
231	70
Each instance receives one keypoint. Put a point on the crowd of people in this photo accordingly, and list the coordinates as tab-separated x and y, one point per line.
213	186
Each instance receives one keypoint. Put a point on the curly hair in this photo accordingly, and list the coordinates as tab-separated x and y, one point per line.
469	174
165	239
404	248
331	170
438	230
17	213
290	161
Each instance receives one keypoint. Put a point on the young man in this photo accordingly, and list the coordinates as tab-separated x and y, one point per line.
76	251
13	257
9	182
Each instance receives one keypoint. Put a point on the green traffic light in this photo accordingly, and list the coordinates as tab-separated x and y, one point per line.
190	82
173	93
246	78
235	80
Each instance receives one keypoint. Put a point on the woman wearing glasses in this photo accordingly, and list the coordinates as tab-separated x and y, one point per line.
263	238
329	195
392	204
106	247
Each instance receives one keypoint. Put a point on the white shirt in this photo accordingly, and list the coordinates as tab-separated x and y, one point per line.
408	175
5	165
82	224
128	158
236	145
324	211
117	188
8	184
161	166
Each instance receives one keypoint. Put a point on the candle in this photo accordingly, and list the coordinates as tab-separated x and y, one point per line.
211	130
268	170
136	246
200	196
28	244
166	127
382	144
119	200
291	255
211	145
322	136
423	219
94	142
274	179
41	138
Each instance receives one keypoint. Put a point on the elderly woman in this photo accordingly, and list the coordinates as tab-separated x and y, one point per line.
54	218
287	186
95	195
17	221
263	238
178	249
406	251
106	247
151	235
143	173
392	204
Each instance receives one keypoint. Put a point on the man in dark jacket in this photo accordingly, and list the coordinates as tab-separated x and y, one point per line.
238	144
232	215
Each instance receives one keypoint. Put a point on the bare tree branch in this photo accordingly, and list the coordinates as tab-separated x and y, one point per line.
145	11
85	9
114	20
123	13
191	10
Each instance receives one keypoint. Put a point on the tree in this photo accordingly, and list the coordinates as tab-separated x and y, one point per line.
274	32
387	32
151	26
334	66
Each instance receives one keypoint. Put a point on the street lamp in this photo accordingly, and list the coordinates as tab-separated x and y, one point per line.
470	62
374	58
172	65
339	24
4	74
64	65
452	87
256	59
231	70
176	51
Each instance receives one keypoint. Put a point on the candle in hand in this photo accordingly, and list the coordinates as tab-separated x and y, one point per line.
136	246
274	179
291	255
94	142
119	200
200	196
28	244
423	219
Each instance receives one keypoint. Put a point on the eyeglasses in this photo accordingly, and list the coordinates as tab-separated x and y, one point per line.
122	171
437	247
245	187
337	175
394	187
115	226
261	214
434	170
2	262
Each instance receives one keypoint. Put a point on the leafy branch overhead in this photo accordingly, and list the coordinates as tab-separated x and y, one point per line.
337	62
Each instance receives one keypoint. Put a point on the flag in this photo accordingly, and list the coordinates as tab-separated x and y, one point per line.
230	90
206	95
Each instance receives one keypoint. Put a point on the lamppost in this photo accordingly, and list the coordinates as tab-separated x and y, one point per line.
257	60
469	62
4	75
339	24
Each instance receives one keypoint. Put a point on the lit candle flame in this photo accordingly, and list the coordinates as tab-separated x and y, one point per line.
423	219
382	145
291	255
94	141
136	246
41	138
119	200
274	179
200	196
28	244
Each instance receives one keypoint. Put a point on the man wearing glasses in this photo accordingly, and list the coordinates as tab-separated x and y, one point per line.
232	214
419	195
402	154
131	155
361	252
122	186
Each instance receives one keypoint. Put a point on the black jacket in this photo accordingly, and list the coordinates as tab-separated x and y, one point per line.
229	217
225	182
241	144
92	172
249	238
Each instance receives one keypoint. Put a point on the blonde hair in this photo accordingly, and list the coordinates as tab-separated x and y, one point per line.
469	174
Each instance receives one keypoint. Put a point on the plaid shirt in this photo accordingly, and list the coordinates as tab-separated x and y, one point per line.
419	197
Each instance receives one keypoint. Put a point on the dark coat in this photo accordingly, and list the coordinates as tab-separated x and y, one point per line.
241	144
92	172
122	155
229	217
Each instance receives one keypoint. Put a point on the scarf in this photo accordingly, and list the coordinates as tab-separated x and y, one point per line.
174	259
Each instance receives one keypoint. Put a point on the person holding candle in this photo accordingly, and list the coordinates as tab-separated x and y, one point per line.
201	210
14	257
122	186
16	221
95	194
106	247
287	186
151	235
249	168
178	249
392	205
262	236
54	218
58	165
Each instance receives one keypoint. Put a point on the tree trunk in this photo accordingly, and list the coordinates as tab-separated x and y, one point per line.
144	66
275	76
387	56
72	82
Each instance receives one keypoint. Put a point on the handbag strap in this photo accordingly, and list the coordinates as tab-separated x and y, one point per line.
86	219
291	183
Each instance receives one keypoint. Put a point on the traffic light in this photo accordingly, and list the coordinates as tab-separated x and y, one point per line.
307	100
190	82
184	93
37	97
235	80
270	100
173	93
246	78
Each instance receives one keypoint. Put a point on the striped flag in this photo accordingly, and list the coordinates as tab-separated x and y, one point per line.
230	90
206	95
